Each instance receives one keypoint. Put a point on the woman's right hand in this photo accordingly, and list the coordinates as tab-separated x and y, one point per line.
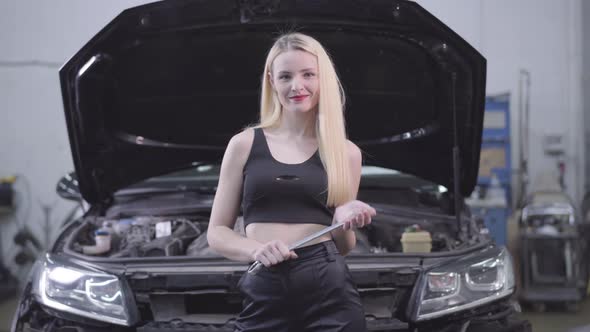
354	214
272	253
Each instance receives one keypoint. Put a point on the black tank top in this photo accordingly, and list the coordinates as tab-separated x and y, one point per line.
285	193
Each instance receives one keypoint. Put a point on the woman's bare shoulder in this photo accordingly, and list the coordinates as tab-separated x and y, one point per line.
240	144
243	140
354	153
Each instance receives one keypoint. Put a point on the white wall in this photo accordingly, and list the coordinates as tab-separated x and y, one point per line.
36	38
586	85
542	36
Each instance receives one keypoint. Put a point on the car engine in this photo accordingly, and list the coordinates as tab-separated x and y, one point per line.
158	236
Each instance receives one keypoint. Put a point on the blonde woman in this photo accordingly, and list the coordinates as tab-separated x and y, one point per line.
294	173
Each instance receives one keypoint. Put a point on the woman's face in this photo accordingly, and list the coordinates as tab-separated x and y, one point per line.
295	79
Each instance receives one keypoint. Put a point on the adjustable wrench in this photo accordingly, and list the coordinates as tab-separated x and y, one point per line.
257	265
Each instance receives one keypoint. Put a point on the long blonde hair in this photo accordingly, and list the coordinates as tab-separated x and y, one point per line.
330	129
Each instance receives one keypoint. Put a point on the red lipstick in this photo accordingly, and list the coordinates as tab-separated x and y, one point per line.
298	98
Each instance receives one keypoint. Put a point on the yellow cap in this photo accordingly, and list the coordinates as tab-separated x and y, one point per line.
8	179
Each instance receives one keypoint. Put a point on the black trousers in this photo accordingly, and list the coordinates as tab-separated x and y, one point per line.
312	293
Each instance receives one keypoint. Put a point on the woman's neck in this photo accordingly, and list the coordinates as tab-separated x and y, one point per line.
298	124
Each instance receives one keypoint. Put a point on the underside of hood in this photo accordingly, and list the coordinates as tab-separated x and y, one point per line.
167	84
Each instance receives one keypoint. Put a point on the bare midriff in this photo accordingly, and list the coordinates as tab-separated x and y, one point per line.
288	233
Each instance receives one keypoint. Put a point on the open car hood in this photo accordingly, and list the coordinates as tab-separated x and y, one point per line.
168	83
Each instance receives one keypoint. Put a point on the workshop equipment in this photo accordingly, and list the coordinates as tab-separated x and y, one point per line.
7	194
554	251
8	283
553	242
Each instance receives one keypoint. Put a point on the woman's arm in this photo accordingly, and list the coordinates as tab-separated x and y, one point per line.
220	233
345	239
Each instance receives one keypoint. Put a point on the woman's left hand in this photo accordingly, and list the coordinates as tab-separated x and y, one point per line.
354	214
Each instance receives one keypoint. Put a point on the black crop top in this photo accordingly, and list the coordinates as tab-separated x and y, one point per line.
286	193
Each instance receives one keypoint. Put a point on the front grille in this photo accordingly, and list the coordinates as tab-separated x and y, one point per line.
177	326
207	307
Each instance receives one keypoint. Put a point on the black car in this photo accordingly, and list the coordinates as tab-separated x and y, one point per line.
151	102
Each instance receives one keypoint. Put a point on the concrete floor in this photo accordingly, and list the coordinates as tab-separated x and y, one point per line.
7	308
542	322
559	320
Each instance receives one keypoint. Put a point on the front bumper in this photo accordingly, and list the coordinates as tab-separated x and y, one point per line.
32	317
511	324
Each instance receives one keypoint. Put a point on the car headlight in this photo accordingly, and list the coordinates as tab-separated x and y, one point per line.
466	283
83	292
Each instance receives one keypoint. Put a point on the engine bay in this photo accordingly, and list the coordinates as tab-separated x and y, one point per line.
162	236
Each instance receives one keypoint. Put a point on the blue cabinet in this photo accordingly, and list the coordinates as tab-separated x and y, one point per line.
495	147
495	161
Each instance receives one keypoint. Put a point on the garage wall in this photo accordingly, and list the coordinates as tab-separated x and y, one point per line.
36	37
586	85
